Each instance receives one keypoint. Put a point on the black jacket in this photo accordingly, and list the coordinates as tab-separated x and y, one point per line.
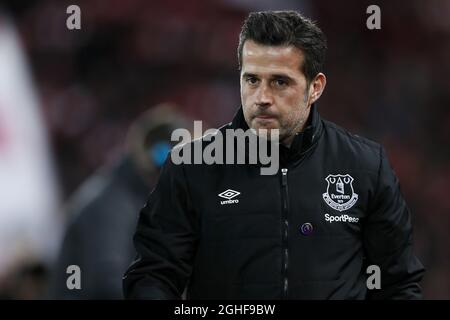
308	232
103	216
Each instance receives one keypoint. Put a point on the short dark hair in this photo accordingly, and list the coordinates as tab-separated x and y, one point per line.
284	28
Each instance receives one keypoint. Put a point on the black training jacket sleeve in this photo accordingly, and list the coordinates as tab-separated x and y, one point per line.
388	239
165	240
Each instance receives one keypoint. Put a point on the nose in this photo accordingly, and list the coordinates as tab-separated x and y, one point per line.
264	97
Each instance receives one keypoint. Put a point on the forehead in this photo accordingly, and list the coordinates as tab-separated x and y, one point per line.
263	59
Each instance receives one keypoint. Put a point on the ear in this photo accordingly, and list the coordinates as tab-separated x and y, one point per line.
316	87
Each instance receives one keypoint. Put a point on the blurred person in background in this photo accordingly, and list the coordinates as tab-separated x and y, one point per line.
103	211
30	227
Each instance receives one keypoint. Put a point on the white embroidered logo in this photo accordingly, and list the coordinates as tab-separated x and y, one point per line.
229	194
340	194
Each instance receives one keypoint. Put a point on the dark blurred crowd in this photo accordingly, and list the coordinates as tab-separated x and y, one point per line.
390	85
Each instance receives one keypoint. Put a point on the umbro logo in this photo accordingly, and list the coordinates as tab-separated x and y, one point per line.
229	194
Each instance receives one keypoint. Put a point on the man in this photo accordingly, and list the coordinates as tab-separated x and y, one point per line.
308	232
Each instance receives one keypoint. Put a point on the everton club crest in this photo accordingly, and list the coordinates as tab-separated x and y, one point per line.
340	194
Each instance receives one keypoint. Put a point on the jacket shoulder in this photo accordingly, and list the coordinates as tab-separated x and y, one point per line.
353	138
352	145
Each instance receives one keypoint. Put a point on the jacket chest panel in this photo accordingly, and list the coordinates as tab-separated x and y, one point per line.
333	201
241	204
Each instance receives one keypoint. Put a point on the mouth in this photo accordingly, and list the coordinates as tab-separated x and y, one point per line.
265	117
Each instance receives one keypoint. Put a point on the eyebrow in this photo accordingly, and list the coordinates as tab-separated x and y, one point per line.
282	76
246	75
273	76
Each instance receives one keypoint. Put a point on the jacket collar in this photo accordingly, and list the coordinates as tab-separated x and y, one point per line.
302	142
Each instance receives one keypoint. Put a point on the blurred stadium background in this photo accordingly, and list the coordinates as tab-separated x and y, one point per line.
68	98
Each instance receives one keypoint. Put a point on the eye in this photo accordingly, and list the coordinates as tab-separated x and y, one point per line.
280	83
251	80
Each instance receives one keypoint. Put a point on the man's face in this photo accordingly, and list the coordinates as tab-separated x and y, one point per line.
274	91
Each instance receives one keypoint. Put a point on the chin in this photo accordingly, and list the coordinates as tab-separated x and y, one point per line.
265	124
268	129
268	134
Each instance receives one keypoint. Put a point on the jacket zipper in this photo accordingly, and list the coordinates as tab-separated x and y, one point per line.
285	223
